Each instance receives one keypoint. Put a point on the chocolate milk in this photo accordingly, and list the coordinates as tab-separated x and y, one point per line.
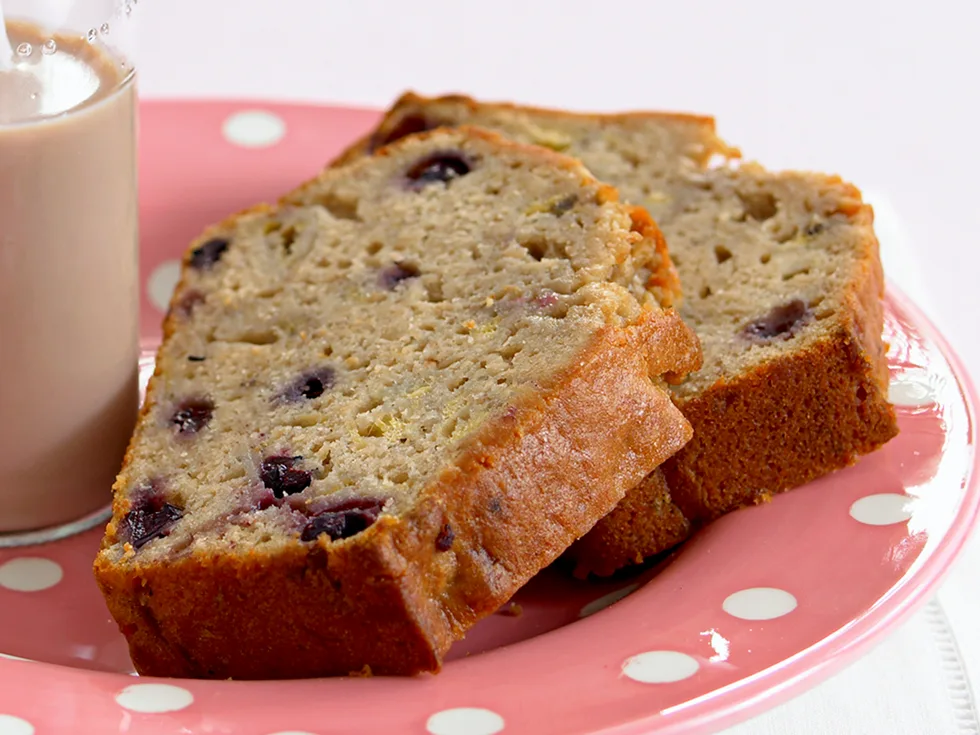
69	333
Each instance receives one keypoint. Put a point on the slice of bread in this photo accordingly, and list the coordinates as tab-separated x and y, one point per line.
381	406
782	283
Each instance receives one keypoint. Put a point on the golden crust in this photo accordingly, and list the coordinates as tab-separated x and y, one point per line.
388	596
827	404
410	103
646	522
663	282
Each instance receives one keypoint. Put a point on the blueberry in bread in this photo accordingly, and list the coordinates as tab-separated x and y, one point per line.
782	284
381	406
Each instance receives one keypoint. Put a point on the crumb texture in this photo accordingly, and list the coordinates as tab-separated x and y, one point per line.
781	282
356	389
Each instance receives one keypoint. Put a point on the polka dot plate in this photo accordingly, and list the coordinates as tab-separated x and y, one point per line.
761	604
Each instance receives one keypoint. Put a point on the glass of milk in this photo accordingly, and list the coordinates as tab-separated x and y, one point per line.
69	334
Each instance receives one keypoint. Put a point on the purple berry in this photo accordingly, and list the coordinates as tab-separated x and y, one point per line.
438	167
192	415
264	499
781	323
281	476
546	299
185	306
344	519
311	385
332	524
444	541
394	274
150	516
207	255
563	205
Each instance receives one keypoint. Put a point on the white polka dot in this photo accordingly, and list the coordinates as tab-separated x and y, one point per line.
606	600
912	389
660	667
162	283
254	129
154	698
759	603
465	721
30	574
10	725
883	509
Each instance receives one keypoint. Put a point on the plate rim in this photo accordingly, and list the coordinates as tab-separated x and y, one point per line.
771	686
781	681
845	645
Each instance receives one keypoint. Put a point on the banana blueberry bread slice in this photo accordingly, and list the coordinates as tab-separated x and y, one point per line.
381	406
782	284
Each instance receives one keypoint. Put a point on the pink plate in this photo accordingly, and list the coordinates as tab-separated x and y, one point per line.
760	605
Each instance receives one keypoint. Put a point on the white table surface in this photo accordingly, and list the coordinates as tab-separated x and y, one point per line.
884	93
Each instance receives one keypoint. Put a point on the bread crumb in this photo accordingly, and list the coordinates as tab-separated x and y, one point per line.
511	610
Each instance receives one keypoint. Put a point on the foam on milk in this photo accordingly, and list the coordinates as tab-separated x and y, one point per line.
43	79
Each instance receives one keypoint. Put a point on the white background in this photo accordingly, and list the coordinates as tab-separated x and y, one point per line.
883	93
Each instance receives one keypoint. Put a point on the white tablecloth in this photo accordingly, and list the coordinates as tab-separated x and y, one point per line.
882	92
